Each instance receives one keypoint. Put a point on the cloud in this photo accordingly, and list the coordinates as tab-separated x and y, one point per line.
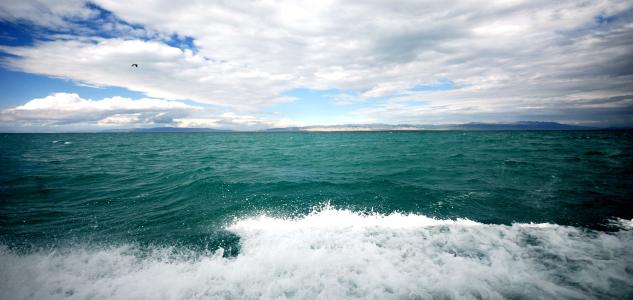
49	13
235	122
514	58
164	72
64	108
586	109
64	111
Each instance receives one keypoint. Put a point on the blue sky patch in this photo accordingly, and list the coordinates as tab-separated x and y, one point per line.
604	19
18	88
442	85
16	34
182	42
315	106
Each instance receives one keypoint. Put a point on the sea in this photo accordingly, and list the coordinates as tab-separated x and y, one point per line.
317	215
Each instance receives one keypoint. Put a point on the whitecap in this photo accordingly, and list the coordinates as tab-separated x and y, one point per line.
622	223
341	254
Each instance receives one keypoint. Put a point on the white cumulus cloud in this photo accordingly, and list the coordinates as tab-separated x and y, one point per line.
67	111
65	108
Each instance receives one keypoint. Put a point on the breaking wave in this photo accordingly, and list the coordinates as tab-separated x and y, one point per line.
341	254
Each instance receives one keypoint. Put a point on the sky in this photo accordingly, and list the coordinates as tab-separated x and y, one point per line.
250	65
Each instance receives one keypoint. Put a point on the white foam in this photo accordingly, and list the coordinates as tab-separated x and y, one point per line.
622	223
339	254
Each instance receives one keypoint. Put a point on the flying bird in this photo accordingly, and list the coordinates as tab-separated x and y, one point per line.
135	65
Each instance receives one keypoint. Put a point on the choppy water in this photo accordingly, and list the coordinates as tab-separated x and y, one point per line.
317	215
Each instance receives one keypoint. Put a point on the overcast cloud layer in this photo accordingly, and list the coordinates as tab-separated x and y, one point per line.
568	61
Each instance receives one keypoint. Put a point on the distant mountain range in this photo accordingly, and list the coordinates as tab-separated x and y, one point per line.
524	125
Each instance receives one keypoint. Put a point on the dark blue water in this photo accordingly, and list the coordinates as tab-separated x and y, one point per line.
317	215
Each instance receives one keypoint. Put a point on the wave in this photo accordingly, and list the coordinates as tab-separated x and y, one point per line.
340	254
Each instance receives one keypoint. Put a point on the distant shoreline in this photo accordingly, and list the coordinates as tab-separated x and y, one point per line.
326	131
518	126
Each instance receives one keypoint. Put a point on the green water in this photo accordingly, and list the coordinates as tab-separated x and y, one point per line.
185	190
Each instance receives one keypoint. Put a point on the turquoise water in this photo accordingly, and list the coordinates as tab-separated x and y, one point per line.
316	215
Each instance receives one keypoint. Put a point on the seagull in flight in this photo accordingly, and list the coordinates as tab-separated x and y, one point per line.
135	65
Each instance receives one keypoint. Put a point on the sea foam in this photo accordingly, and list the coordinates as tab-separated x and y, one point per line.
340	254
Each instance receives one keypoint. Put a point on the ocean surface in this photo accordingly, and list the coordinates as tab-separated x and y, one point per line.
374	215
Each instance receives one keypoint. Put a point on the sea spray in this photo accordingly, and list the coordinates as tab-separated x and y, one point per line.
340	254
